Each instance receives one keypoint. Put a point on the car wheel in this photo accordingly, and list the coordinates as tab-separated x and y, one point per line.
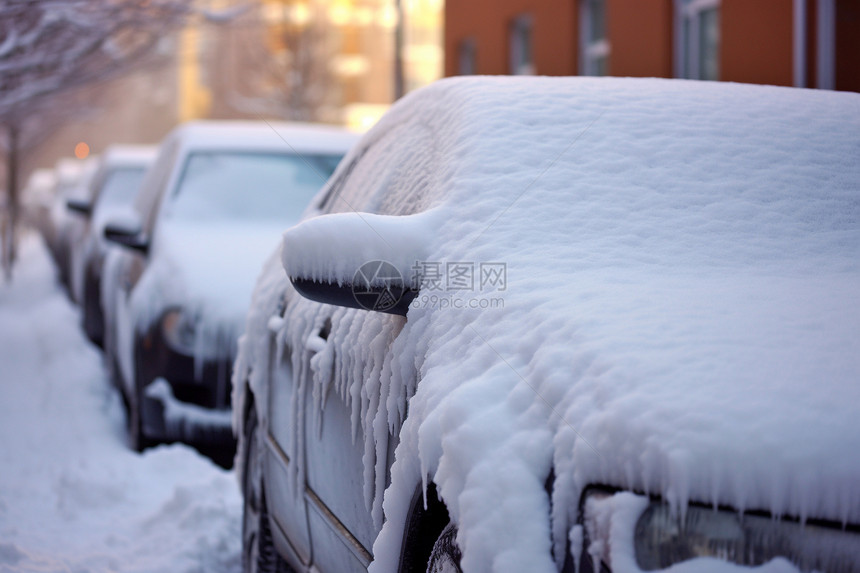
91	310
136	438
445	557
258	549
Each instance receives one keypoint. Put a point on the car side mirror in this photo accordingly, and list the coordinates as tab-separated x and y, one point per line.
79	206
358	260
127	232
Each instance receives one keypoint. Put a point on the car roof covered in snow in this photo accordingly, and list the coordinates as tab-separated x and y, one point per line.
264	135
681	305
129	155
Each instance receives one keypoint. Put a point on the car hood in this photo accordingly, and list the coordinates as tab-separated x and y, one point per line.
206	269
683	295
739	390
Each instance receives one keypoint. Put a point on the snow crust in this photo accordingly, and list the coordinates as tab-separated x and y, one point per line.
681	314
73	497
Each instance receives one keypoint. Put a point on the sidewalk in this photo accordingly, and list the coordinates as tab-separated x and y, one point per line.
73	497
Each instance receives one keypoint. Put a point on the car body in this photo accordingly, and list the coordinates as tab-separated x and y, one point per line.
113	187
73	183
543	324
209	209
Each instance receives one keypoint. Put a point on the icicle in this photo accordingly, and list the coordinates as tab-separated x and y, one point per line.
576	540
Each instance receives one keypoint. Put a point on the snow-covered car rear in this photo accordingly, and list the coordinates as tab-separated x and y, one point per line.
545	324
213	204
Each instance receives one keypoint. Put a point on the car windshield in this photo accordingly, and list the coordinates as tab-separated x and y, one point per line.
120	186
219	185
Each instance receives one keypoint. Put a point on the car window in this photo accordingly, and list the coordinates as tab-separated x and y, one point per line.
155	183
387	177
120	186
217	185
336	186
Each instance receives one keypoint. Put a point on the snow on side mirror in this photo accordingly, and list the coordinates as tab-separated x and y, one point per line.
358	260
126	230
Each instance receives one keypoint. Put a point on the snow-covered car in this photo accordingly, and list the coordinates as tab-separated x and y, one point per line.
113	188
38	199
73	182
543	324
209	210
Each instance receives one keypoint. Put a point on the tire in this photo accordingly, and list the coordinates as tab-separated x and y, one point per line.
137	440
110	359
258	549
91	310
445	557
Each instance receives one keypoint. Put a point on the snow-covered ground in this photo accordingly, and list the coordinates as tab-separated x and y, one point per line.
73	497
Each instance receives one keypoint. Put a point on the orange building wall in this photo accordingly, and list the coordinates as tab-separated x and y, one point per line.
756	41
756	38
640	35
487	21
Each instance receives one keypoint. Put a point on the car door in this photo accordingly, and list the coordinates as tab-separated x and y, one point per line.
284	484
339	487
287	491
341	525
289	495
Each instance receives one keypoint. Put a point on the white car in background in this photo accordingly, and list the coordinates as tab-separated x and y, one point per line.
578	324
113	189
210	209
38	198
73	182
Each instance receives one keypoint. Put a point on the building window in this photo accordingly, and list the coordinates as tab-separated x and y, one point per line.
466	57
697	33
522	56
593	45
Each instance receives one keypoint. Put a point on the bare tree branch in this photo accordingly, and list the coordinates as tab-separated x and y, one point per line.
48	48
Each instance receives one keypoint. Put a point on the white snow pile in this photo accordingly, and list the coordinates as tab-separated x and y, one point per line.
681	312
73	497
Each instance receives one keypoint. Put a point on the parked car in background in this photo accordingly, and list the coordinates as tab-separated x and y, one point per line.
578	324
73	182
209	210
113	188
38	199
